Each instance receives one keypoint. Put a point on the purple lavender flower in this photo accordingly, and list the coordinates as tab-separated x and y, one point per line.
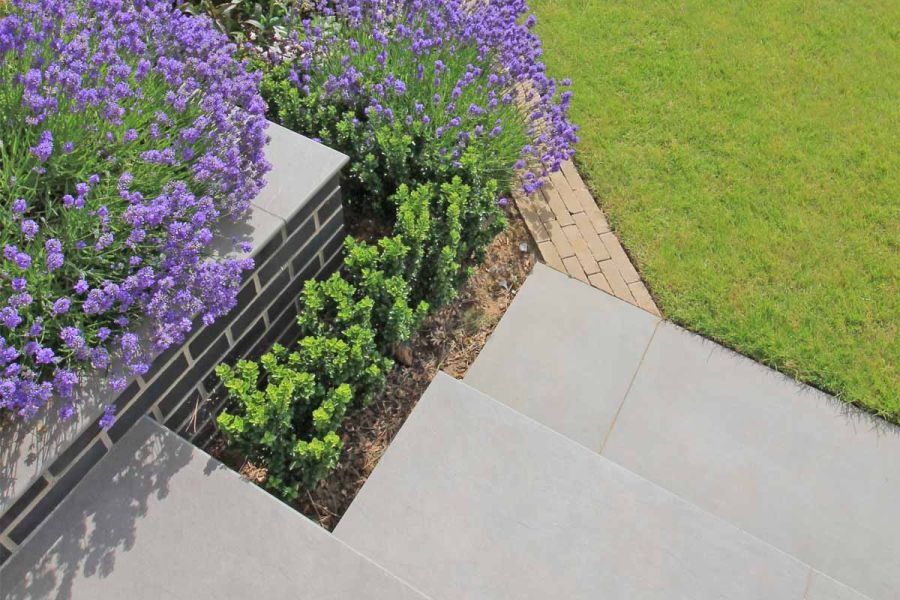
29	229
44	147
44	356
55	261
61	306
85	68
411	43
108	417
22	260
9	317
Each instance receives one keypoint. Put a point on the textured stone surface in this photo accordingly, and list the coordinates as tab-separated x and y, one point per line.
822	587
564	355
307	167
472	500
788	464
159	519
781	460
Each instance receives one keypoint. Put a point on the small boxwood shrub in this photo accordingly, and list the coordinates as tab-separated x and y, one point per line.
442	107
127	132
285	417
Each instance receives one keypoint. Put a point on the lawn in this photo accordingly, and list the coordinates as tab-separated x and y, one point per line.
748	156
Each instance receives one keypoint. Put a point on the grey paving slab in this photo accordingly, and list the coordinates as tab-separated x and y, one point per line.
473	500
300	167
784	462
822	587
564	354
158	519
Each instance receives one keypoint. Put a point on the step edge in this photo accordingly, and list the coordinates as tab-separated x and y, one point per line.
225	471
441	375
267	497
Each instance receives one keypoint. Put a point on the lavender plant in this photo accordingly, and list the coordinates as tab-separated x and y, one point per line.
443	106
405	87
127	132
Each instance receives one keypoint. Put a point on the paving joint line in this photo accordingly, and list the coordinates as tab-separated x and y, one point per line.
634	375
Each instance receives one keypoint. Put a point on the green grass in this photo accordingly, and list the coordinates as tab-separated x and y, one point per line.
748	156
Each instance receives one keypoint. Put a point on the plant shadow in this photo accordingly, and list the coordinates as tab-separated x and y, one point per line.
97	523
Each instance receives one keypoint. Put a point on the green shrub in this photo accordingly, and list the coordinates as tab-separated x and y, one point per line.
260	20
462	221
286	419
432	170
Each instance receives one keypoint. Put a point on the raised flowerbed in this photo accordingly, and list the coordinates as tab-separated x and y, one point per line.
441	121
295	230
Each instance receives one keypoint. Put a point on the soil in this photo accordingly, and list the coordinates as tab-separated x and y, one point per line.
449	340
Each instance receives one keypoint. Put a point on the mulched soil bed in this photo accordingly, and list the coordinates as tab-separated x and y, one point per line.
449	340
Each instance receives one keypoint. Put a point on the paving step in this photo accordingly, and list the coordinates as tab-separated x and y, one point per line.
780	460
159	519
474	500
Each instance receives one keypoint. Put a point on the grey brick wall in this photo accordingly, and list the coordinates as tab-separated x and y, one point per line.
295	227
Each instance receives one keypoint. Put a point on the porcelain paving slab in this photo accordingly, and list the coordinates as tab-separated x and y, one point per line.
784	462
313	166
564	354
158	519
473	500
822	587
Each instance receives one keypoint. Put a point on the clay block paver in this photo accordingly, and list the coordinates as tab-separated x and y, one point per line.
587	260
532	219
572	176
616	281
566	192
559	239
601	225
596	245
642	297
563	215
551	256
623	263
551	195
573	268
598	280
542	208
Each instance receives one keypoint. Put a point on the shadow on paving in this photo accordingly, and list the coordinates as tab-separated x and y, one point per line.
87	533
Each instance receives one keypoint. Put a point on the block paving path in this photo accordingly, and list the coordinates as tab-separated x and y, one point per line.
573	236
